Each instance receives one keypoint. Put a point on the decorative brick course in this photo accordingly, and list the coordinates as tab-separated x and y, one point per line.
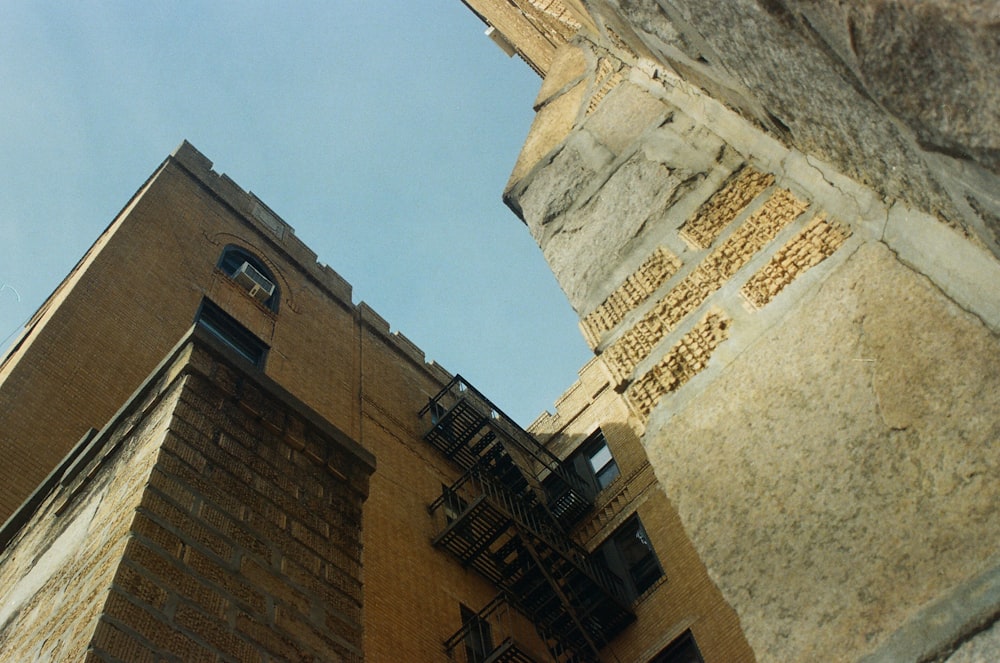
689	357
724	206
607	76
717	268
636	289
817	242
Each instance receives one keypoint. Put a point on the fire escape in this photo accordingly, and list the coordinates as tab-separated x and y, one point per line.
508	516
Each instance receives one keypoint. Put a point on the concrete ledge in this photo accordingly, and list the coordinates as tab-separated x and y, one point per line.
939	628
951	261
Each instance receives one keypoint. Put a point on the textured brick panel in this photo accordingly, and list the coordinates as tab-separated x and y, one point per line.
606	78
653	273
689	357
551	18
717	268
725	205
817	242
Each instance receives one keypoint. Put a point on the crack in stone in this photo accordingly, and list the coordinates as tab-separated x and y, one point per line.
938	288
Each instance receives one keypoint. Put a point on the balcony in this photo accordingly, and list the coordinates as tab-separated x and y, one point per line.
507	517
467	429
493	635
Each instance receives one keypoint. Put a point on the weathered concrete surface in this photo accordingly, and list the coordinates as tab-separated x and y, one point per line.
849	459
582	249
897	94
936	66
955	627
608	184
983	648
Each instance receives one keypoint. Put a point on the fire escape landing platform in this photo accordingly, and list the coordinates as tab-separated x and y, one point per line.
508	517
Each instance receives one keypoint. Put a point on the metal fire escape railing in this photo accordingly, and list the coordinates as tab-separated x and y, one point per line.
507	518
467	427
490	636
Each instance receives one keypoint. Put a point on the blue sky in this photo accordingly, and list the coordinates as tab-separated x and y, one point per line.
382	132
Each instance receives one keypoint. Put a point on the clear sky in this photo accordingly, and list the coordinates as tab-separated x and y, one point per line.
383	132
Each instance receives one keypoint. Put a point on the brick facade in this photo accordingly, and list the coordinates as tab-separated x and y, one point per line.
199	528
230	538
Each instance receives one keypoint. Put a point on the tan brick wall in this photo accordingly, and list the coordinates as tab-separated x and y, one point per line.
704	227
56	575
535	28
152	268
412	589
638	287
689	357
811	246
134	296
218	533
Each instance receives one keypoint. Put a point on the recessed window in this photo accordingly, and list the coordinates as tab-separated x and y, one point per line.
630	556
478	636
594	463
682	650
454	506
602	463
251	273
226	328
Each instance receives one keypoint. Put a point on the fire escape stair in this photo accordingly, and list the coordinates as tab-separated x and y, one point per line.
513	522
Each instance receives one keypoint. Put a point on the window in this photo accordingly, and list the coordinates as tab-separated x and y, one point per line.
250	271
454	506
478	636
630	556
594	463
225	327
437	411
601	462
682	650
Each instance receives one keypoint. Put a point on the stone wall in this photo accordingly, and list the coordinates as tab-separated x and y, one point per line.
899	95
814	364
216	517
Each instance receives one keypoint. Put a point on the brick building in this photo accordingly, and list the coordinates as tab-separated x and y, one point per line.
214	454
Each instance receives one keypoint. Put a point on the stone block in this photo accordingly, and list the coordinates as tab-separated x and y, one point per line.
623	115
846	455
567	181
551	126
585	245
568	67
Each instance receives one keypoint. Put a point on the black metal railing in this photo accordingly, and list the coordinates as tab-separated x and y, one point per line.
495	634
467	427
508	516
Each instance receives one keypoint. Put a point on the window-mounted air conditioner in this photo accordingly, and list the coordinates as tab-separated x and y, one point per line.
258	285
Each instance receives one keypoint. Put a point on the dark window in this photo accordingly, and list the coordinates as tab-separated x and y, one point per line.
682	650
630	556
454	505
594	463
250	272
437	412
478	636
232	333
